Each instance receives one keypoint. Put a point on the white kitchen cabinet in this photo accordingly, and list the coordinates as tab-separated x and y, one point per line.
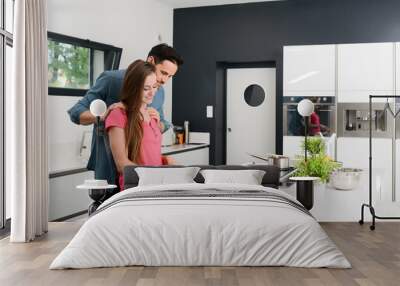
194	157
382	171
397	172
309	70
292	146
397	69
331	205
365	69
65	199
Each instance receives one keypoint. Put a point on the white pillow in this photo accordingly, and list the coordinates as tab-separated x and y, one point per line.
248	177
166	176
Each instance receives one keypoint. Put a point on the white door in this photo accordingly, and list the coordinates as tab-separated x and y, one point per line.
250	113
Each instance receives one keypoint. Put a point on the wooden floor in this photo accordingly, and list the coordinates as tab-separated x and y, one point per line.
375	257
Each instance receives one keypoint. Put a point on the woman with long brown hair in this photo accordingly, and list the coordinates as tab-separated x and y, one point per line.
134	131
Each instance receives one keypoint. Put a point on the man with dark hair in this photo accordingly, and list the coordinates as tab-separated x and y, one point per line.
107	88
164	52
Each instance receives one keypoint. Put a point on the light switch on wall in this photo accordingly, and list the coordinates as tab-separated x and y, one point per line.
209	111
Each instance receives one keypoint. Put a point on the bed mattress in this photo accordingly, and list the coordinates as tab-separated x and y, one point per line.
201	225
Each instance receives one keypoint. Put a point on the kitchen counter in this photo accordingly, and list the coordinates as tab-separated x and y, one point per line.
180	148
65	200
165	150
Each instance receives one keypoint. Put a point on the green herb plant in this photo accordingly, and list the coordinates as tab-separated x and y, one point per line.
318	164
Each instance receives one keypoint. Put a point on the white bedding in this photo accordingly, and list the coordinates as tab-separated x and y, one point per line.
200	231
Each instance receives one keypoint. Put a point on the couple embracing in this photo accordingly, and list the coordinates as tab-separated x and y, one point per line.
134	120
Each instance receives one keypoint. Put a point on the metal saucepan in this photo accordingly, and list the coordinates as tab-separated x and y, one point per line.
280	161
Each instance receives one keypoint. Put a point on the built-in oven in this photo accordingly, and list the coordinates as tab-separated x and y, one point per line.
324	113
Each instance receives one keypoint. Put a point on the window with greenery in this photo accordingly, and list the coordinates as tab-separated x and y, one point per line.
68	66
74	64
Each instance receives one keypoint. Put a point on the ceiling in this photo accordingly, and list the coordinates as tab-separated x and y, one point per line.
199	3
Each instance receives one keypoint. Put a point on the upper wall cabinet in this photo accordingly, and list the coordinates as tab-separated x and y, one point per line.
397	68
309	70
365	69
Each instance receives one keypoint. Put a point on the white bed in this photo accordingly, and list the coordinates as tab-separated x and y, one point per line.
185	230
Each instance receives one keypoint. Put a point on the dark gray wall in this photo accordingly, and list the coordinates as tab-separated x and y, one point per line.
211	38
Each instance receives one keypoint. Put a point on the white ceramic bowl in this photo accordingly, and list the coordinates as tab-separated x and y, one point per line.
345	178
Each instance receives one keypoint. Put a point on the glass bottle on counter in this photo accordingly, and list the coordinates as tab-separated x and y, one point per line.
186	128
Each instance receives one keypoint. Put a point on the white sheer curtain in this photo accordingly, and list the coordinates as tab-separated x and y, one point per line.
26	135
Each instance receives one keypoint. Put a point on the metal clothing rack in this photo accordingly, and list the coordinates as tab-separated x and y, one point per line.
370	205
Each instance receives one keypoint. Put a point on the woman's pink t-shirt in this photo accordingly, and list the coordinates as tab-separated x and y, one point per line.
150	147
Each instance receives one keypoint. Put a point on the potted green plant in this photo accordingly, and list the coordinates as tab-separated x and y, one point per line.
317	166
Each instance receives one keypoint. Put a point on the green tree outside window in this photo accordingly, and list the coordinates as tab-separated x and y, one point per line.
68	66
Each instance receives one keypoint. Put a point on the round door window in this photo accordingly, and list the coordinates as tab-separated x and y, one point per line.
254	95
